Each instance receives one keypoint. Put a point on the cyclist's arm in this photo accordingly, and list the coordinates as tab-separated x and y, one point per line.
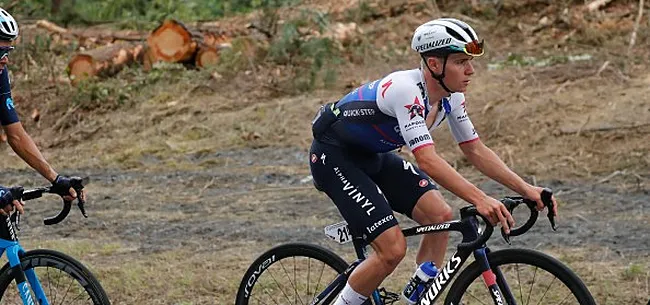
483	158
26	149
489	163
17	137
446	176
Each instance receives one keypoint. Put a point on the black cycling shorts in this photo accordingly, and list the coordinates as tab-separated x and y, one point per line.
367	187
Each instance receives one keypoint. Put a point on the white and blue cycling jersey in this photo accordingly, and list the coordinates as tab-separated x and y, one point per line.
391	112
7	112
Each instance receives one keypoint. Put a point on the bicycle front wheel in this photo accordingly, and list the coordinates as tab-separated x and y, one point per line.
530	276
64	280
289	274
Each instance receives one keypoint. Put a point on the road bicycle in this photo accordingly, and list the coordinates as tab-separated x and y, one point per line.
305	274
44	277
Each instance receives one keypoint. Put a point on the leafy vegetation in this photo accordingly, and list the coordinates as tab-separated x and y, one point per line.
132	12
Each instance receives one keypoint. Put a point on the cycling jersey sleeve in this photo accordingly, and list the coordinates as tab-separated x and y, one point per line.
404	101
459	123
8	114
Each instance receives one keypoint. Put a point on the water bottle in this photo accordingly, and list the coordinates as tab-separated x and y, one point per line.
418	281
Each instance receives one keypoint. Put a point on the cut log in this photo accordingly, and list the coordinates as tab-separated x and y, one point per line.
206	56
172	41
104	61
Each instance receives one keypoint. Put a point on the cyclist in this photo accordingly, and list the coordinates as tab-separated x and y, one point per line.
351	158
17	137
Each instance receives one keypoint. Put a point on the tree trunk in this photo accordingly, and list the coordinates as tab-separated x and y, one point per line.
56	5
104	61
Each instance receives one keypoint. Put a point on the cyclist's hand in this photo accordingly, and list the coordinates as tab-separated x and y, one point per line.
62	186
6	211
496	212
7	202
535	193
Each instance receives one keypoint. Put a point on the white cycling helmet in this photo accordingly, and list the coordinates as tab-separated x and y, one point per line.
446	35
8	26
441	37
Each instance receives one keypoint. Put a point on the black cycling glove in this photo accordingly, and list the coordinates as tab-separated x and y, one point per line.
6	198
61	185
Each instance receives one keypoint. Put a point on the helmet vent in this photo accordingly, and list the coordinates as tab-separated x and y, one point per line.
455	34
5	26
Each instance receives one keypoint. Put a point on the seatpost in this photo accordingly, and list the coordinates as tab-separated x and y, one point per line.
360	247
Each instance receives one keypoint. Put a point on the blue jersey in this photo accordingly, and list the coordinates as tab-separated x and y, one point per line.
8	114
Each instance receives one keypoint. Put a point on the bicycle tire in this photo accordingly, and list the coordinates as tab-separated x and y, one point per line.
272	260
520	257
62	263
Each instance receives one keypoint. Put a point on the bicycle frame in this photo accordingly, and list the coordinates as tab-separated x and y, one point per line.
468	226
9	243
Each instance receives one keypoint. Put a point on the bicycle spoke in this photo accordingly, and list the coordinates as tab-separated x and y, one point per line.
295	291
320	276
565	298
267	293
67	290
49	281
471	295
308	273
532	283
278	284
295	287
79	297
521	295
58	278
545	292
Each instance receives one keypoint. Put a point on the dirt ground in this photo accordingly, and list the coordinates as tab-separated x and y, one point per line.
187	192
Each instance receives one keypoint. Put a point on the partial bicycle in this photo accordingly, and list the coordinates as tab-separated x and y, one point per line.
44	277
304	274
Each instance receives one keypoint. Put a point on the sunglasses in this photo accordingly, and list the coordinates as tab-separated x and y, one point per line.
473	48
4	52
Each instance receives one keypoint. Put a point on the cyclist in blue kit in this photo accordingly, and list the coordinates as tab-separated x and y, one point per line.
351	158
17	137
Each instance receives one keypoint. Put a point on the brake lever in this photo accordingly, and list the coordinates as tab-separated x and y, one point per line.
80	204
505	236
510	204
78	185
547	195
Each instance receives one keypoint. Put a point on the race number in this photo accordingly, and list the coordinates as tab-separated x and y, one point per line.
339	232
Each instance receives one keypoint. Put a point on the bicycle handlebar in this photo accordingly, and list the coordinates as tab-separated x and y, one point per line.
77	184
511	203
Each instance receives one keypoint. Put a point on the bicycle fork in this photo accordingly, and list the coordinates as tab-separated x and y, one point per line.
14	250
494	279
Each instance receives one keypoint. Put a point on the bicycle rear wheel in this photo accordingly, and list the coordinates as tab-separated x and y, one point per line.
289	274
64	280
532	278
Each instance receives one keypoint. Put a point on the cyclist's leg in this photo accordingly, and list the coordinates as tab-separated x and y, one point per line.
412	193
432	208
341	175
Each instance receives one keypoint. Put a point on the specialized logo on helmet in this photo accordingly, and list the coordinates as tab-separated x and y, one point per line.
433	44
415	109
